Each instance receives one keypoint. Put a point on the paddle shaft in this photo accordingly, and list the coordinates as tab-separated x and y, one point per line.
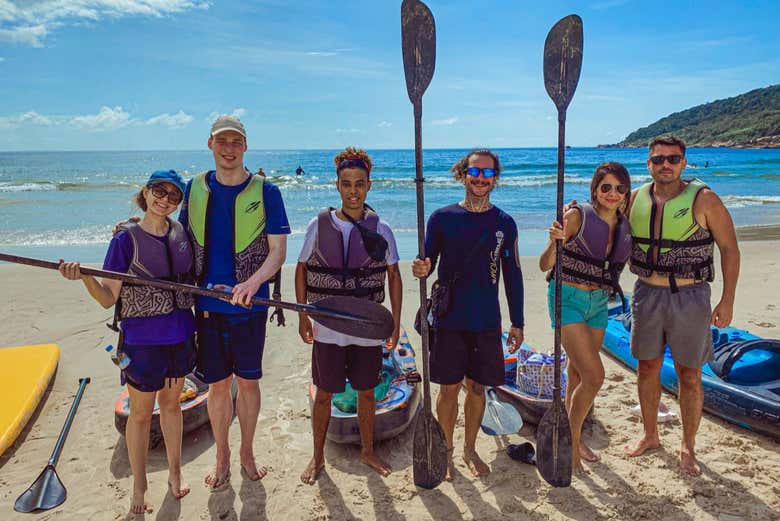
421	249
558	247
55	454
310	309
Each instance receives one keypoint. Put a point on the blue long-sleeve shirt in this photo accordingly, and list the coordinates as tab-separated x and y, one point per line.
452	233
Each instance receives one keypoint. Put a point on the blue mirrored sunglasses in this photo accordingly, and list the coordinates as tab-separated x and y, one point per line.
473	171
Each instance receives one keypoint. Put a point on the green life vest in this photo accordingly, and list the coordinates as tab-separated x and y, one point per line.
683	249
250	241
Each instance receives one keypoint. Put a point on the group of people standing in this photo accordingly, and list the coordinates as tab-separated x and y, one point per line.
231	234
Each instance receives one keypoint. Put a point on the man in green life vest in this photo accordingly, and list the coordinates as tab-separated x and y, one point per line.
674	223
238	229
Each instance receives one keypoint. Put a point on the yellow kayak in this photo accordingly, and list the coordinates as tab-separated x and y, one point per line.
25	372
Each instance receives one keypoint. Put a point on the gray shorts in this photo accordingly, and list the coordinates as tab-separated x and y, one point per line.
681	320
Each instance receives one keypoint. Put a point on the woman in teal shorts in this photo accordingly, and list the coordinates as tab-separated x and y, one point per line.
597	244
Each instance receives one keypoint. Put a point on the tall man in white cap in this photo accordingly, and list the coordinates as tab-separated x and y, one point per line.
238	228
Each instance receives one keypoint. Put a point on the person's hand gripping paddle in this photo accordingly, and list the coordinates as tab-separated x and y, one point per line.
562	64
418	39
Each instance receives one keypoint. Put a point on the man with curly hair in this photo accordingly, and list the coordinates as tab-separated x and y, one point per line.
474	241
348	251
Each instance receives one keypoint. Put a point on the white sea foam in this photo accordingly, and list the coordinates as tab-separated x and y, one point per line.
44	186
740	201
96	234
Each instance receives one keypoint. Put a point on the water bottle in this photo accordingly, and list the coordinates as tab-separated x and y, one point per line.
121	360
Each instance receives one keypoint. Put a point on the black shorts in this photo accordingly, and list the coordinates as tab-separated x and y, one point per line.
331	365
475	354
230	344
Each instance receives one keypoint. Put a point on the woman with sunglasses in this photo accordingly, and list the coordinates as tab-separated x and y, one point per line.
157	326
596	245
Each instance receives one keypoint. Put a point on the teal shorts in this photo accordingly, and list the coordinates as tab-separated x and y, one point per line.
579	305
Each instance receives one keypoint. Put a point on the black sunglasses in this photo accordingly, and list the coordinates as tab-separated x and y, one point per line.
673	159
174	196
606	188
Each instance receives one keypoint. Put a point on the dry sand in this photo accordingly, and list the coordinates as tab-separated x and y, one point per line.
741	479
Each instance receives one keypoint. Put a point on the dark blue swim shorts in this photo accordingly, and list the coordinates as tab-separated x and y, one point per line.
151	365
230	344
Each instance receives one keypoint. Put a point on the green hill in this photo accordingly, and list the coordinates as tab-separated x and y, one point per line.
750	120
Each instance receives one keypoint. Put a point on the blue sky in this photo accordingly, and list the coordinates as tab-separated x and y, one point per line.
151	74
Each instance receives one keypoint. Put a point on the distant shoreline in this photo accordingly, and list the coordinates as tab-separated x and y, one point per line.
738	146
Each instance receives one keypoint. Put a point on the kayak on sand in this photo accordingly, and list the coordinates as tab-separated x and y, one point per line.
395	411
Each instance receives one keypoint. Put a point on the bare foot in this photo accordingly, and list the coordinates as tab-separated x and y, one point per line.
309	476
218	478
475	464
578	469
373	461
250	469
641	446
587	454
138	505
177	488
450	465
688	463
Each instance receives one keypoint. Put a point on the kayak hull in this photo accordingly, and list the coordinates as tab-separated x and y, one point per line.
394	413
194	411
755	407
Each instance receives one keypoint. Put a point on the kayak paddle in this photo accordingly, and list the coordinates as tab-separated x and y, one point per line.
47	491
348	315
418	40
562	64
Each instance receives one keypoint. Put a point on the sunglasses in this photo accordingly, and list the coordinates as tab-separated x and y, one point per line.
174	196
473	171
607	188
673	159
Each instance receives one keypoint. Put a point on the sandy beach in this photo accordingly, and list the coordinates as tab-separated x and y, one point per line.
741	479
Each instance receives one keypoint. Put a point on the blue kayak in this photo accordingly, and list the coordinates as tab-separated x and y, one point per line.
742	384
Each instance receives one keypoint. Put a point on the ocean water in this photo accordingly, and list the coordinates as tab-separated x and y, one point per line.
63	204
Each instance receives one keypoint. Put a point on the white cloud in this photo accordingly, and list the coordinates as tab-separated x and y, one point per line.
28	22
35	118
384	124
178	120
239	112
2	59
31	35
30	117
347	130
446	121
106	119
334	52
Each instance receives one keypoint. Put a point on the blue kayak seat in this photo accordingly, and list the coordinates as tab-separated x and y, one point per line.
729	353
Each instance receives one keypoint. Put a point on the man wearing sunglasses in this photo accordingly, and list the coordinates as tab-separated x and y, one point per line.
474	242
348	251
674	223
238	228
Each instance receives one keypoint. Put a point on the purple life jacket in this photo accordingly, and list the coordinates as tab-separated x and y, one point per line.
584	257
151	258
330	271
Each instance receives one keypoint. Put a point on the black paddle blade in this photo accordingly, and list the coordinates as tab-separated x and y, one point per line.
376	320
418	41
563	60
429	453
553	446
45	493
